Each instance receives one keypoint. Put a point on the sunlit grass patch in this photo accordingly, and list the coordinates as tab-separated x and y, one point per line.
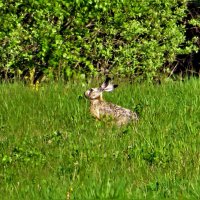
52	148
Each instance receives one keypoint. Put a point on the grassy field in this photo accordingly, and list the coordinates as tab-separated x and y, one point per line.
51	148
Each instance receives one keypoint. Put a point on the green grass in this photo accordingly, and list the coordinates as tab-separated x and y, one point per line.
51	148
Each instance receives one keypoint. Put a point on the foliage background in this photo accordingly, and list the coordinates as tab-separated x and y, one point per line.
66	38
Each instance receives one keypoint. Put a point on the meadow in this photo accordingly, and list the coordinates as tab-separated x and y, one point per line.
51	147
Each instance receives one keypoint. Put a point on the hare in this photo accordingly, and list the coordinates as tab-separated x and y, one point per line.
101	109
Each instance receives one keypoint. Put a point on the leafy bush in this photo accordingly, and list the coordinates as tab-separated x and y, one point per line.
63	38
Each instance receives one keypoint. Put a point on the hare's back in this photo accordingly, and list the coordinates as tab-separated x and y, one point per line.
115	110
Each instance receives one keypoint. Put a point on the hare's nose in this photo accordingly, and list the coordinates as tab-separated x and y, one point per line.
87	93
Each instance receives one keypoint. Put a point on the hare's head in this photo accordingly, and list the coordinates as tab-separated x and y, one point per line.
96	93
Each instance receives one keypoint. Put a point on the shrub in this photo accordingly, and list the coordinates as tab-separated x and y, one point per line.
63	38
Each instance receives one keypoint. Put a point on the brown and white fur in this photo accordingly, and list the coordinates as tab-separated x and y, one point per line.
101	109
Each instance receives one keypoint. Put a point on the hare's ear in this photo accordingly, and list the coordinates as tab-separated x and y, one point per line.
107	86
110	87
105	83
